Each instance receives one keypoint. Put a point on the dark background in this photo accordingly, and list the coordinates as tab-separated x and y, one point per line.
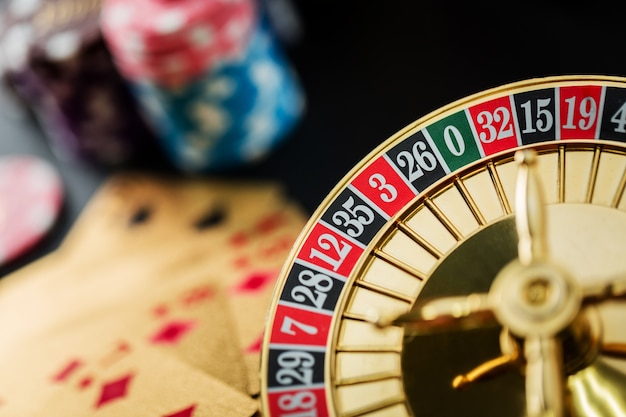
368	69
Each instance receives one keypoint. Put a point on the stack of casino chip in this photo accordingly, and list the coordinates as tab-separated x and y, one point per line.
56	61
170	42
208	75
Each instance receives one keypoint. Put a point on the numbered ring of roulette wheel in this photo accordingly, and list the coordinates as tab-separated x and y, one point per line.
472	263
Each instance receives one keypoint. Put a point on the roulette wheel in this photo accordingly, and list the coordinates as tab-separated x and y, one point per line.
472	263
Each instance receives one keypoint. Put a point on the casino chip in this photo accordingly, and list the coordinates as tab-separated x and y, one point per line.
171	43
31	196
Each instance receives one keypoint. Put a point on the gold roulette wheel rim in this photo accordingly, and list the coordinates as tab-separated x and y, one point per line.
321	354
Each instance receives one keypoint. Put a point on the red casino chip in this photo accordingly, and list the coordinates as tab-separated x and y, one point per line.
159	40
31	196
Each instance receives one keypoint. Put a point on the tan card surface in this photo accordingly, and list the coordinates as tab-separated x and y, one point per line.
81	372
134	212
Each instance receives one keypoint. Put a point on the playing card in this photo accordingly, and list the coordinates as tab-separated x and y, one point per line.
84	371
188	316
190	319
135	212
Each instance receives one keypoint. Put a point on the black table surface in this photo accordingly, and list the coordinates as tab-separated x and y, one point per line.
369	68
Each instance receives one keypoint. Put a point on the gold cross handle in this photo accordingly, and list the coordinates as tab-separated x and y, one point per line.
485	370
529	210
443	314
